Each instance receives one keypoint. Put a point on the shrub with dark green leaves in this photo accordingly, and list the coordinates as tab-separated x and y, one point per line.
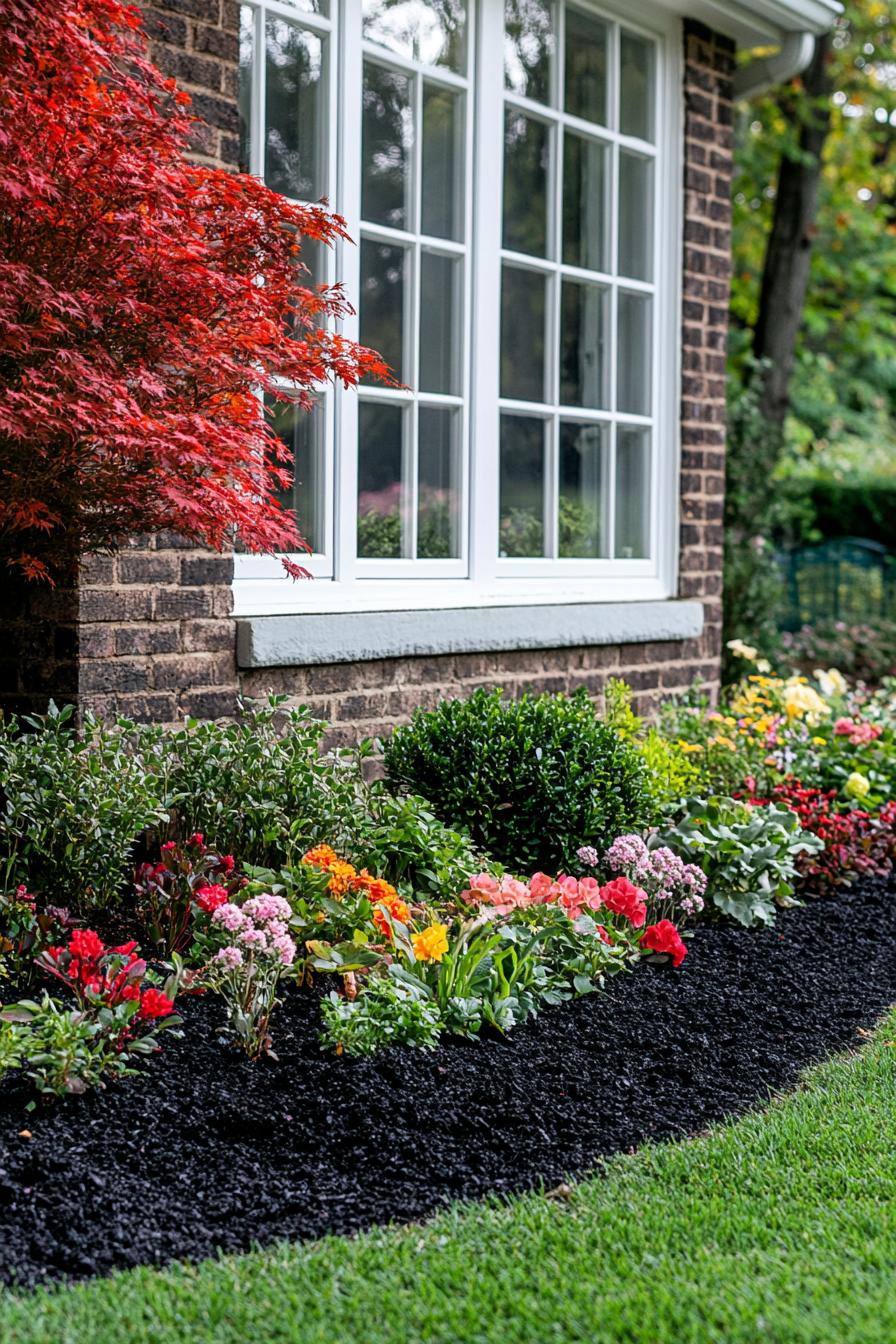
530	780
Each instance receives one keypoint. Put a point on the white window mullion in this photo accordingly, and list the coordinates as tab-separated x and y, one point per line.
345	467
487	113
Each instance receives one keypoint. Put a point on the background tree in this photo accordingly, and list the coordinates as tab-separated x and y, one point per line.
145	302
814	291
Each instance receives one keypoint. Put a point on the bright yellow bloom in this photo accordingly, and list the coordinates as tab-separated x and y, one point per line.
432	943
689	746
819	741
857	786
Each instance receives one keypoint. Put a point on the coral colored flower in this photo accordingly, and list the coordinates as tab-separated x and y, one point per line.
483	888
543	888
664	937
155	1004
210	898
622	898
589	890
432	943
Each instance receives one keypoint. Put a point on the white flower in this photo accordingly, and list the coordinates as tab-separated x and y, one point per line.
832	682
742	650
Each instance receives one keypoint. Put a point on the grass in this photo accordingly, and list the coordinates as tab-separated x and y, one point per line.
779	1227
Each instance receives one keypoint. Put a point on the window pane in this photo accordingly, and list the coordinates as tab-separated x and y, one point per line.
526	174
522	334
247	56
295	111
635	216
583	363
585	177
438	483
585	67
636	86
386	141
309	6
632	493
382	488
442	163
439	336
303	433
383	302
633	364
528	47
434	33
522	486
582	466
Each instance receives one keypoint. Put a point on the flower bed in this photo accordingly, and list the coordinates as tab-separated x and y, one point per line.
555	849
208	1151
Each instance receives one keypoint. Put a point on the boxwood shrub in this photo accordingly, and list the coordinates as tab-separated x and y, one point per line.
530	780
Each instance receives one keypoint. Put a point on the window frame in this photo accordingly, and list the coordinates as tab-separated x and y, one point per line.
483	577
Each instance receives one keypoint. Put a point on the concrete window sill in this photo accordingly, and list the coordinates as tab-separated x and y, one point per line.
350	637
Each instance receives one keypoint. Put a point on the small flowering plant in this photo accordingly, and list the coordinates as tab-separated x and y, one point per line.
671	884
114	988
187	875
26	930
252	952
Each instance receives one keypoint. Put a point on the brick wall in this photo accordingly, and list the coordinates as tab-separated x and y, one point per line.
152	634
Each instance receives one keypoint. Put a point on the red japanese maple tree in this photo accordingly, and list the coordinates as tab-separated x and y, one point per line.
145	301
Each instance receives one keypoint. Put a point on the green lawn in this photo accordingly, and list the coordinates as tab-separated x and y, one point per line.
781	1227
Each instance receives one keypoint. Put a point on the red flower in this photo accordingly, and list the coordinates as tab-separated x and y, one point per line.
87	944
226	863
664	937
155	1004
124	950
168	846
210	897
602	933
197	838
623	898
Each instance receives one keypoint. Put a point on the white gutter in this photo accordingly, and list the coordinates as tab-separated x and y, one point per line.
765	72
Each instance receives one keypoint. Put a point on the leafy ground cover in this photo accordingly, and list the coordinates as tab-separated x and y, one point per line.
775	1228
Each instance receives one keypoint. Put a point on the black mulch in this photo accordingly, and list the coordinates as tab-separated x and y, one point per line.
207	1152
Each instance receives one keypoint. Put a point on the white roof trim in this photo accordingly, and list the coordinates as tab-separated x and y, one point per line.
755	23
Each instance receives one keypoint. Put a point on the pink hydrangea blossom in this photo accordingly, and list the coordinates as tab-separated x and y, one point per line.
285	948
588	855
254	938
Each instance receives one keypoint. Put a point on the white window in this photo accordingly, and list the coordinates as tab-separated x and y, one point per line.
510	176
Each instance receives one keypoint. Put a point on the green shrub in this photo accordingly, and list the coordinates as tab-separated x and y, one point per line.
402	840
385	1013
530	780
748	854
671	773
72	803
259	788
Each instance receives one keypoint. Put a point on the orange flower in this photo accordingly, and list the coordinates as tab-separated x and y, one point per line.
432	943
321	856
377	888
342	878
395	907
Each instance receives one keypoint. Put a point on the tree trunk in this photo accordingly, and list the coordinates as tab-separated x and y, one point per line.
785	275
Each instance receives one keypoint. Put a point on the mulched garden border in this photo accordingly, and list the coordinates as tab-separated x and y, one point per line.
208	1153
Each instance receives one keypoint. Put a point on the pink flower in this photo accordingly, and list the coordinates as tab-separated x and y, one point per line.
589	889
229	958
230	917
624	899
543	888
285	948
843	727
266	906
483	889
254	938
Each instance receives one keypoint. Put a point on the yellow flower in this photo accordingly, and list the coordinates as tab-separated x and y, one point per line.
432	943
689	746
857	786
819	741
800	701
